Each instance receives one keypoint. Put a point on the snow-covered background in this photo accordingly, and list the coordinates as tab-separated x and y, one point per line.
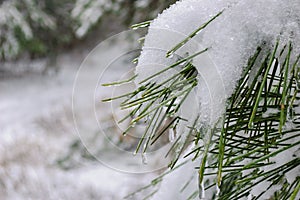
44	152
41	154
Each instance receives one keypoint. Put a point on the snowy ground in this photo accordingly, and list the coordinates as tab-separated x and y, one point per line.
41	154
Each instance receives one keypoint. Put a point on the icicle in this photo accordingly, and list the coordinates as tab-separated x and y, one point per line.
289	124
145	146
217	190
201	191
144	159
171	135
290	113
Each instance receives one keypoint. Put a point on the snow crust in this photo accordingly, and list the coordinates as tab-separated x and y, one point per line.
232	38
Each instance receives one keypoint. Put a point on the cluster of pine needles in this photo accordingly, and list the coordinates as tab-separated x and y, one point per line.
261	122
